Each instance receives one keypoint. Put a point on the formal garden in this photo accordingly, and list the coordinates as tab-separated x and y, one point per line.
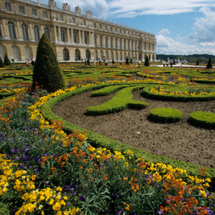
116	139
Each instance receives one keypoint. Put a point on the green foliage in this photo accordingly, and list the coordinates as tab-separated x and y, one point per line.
107	90
202	118
166	114
122	100
209	65
4	209
1	63
197	62
146	63
6	60
174	62
131	61
127	61
47	72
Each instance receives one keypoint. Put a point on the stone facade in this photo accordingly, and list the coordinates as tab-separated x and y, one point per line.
74	36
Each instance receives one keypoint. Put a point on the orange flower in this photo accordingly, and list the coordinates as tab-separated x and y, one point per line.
127	207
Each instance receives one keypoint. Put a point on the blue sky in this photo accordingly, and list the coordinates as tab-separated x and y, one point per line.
180	27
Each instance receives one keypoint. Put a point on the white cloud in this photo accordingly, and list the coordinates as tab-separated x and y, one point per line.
164	31
124	8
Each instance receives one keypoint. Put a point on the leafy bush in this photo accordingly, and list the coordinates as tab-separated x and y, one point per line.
131	61
107	90
202	118
1	63
47	72
197	62
122	100
166	114
6	60
4	209
127	61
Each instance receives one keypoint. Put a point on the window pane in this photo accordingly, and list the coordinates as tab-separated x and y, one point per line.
34	12
36	33
21	9
47	32
11	29
7	6
25	32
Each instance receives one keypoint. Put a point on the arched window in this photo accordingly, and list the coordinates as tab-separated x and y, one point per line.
16	53
100	40
11	29
111	55
28	52
25	32
116	56
106	55
65	54
36	33
74	37
106	42
116	43
47	32
2	51
62	35
88	54
85	38
77	54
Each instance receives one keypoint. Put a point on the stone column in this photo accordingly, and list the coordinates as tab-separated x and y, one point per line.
42	30
109	43
5	29
90	38
79	36
72	35
68	36
83	42
93	38
103	41
18	30
30	32
55	34
59	33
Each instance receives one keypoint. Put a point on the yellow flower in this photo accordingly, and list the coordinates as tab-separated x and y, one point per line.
33	177
56	206
59	189
59	213
18	173
51	202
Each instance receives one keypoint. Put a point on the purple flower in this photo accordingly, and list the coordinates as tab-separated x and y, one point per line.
36	170
73	193
82	198
115	196
14	151
160	212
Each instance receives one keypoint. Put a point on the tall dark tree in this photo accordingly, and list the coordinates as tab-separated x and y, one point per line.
127	61
6	60
1	63
47	72
146	63
131	61
209	65
197	62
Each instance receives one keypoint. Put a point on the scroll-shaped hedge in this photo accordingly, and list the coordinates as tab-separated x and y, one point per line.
202	118
108	90
166	114
122	100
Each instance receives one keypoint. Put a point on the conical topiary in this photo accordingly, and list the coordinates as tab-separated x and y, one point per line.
47	72
6	60
146	63
131	61
209	65
127	61
1	63
197	62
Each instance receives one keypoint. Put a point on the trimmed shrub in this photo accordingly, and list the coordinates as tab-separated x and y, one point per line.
131	61
197	62
127	61
6	60
202	118
146	63
1	63
166	114
108	90
47	72
209	65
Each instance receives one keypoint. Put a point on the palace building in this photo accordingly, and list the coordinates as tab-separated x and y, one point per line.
73	35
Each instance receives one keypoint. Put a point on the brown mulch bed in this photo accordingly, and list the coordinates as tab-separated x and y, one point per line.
179	140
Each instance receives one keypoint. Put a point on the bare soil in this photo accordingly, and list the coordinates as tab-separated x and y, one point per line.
180	140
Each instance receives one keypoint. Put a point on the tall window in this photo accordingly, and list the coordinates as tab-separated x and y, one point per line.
124	44
61	17
84	22
62	35
116	43
100	26
85	38
111	29
34	12
45	15
106	42
47	32
21	9
94	24
74	37
106	27
36	33
120	44
25	32
101	55
115	29
11	29
111	43
131	45
73	20
100	40
7	6
94	40
128	45
0	32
